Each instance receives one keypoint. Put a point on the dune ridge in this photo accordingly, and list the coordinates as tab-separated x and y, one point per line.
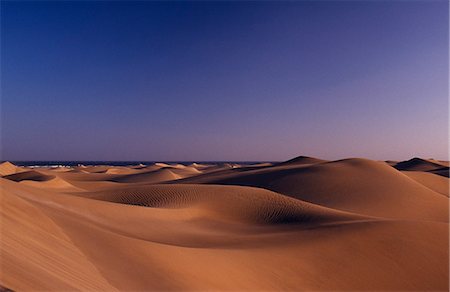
420	164
30	175
303	160
7	168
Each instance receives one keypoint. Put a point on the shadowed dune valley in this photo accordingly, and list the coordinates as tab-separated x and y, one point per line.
303	224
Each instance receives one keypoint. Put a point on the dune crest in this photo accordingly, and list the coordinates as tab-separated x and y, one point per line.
32	175
7	168
303	160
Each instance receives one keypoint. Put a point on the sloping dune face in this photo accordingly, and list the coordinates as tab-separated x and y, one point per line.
306	224
7	168
434	182
154	176
230	203
354	185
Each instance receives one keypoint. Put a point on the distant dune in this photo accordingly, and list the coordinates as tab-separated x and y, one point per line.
304	224
430	165
153	176
421	164
303	160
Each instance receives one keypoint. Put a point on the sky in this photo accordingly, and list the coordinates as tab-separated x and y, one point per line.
236	81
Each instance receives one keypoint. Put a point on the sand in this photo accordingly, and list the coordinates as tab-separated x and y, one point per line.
304	224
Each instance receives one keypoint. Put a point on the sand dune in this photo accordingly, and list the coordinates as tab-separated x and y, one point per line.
37	253
96	168
443	171
29	175
54	183
304	160
353	185
154	176
351	224
441	162
250	205
434	182
431	165
122	170
420	164
391	162
198	165
7	168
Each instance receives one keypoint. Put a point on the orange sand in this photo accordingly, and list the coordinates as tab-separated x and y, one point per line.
305	224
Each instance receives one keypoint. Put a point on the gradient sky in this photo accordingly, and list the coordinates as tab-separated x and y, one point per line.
99	80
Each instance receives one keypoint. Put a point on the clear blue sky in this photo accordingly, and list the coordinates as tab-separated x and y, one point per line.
97	80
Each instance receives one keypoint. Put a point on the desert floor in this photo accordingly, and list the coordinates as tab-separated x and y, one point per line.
304	224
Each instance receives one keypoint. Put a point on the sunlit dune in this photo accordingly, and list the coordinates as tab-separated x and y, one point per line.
304	224
354	185
437	183
7	168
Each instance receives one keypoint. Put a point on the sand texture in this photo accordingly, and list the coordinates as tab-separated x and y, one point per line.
303	224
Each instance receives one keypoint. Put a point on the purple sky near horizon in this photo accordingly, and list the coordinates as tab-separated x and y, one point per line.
199	81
